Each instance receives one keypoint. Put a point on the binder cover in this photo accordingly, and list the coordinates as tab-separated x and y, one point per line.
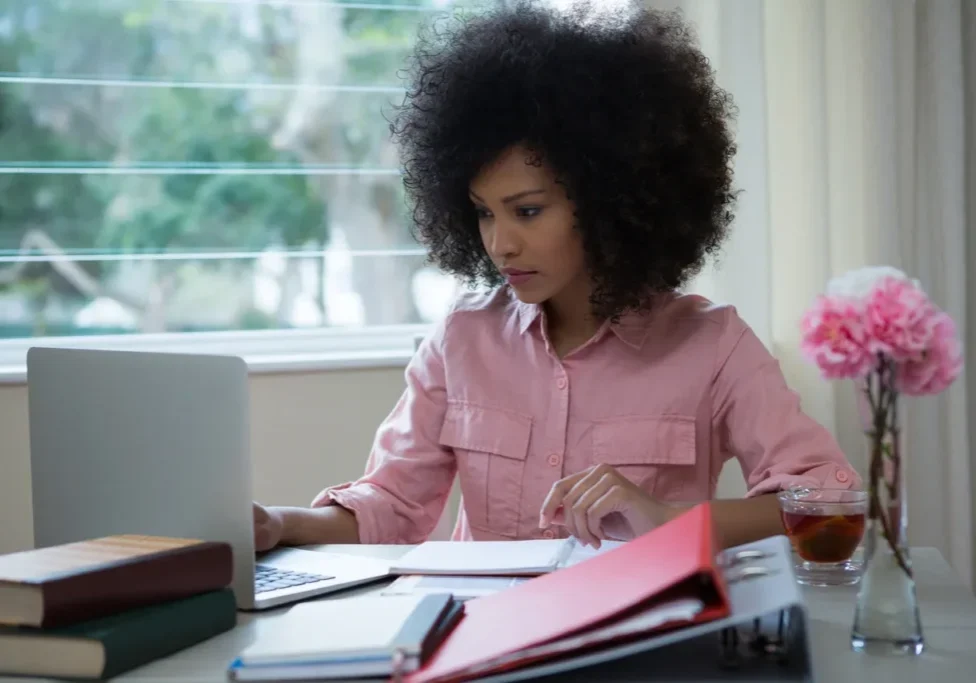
764	638
675	561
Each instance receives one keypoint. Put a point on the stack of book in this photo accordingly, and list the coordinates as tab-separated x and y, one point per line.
97	608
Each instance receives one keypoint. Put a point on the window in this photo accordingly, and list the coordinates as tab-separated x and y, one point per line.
218	167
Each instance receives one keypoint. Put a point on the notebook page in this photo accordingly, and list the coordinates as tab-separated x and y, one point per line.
461	587
581	553
482	558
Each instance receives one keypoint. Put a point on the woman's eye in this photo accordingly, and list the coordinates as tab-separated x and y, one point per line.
529	211
482	213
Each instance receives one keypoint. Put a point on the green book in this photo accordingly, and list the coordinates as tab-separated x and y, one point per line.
108	646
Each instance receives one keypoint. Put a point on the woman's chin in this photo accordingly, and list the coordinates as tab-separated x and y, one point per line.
528	295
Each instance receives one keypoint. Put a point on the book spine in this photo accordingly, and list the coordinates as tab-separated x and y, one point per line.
142	582
440	633
179	625
420	623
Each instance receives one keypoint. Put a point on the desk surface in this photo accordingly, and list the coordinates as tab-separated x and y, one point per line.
948	617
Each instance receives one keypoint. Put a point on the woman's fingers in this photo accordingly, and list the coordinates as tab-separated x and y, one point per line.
585	499
613	500
574	522
555	498
586	530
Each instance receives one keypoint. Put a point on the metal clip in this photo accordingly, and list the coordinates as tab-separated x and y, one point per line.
772	646
729	655
743	556
747	573
740	646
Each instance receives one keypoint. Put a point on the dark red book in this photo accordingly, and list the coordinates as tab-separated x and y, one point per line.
74	582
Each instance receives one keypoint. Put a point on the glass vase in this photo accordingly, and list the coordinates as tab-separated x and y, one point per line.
886	617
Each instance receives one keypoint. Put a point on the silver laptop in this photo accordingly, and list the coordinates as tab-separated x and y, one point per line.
158	444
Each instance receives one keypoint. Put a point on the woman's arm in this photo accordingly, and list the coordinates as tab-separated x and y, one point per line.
409	473
600	504
758	420
309	526
302	526
744	520
407	480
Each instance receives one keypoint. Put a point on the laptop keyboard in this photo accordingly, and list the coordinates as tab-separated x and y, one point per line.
272	578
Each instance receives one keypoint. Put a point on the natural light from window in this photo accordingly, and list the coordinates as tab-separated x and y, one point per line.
171	166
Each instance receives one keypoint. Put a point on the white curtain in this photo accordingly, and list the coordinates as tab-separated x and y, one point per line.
857	146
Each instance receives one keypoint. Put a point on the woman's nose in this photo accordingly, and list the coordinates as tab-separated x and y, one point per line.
504	241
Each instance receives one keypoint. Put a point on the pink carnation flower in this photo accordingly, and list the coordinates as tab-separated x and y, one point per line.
834	337
899	319
932	370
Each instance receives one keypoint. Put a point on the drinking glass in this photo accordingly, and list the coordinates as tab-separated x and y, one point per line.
825	527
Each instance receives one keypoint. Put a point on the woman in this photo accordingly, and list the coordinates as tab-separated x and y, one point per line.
580	164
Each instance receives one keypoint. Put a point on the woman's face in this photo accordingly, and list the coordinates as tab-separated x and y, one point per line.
527	226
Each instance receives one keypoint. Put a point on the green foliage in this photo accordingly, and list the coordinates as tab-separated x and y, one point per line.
65	206
198	212
199	128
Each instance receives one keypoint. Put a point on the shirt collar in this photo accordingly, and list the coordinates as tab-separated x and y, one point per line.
632	328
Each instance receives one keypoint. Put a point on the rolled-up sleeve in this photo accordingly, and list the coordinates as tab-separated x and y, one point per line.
408	474
760	422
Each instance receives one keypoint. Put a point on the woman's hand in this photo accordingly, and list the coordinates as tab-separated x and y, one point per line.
268	528
601	504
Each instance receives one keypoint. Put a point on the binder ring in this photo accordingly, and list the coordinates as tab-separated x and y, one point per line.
743	556
772	646
740	648
747	573
729	656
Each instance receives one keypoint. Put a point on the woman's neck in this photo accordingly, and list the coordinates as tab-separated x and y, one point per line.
569	320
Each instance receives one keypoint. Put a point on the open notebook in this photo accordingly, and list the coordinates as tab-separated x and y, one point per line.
496	558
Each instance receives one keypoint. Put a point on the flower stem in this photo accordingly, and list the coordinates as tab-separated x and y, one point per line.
885	423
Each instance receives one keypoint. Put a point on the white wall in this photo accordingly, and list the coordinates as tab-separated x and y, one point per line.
15	520
309	430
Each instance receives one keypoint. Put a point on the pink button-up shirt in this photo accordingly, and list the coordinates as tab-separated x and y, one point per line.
666	398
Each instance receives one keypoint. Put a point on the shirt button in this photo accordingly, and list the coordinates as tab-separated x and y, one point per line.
549	533
842	476
554	459
561	382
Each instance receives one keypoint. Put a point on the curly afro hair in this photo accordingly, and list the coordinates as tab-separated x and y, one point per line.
622	106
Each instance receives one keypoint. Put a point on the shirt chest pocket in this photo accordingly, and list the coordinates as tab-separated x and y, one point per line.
657	453
491	446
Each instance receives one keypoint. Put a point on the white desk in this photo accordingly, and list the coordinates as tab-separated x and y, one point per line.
948	617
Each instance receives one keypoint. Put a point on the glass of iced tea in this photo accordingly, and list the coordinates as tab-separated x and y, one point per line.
825	527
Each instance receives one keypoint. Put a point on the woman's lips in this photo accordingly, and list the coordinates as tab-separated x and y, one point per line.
518	277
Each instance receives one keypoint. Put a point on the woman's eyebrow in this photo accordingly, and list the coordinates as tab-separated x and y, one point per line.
511	198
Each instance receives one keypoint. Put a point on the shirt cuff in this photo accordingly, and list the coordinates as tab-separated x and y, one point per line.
830	476
361	502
